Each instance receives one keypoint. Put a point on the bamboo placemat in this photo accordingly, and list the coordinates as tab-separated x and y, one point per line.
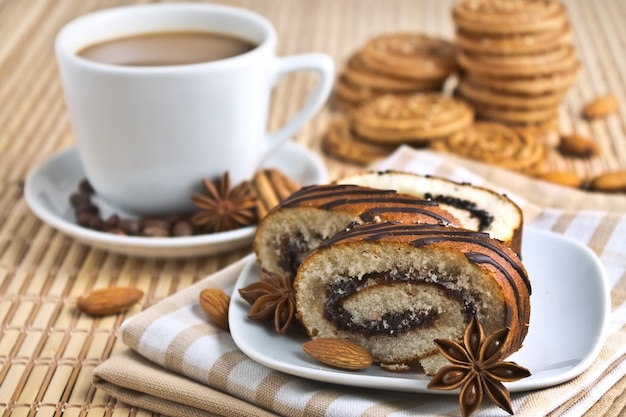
48	349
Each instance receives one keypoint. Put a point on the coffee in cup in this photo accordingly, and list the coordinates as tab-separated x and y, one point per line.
167	48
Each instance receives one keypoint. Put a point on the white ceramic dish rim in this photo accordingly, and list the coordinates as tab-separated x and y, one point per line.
239	327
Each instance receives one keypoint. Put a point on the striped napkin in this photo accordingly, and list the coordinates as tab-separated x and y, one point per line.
179	364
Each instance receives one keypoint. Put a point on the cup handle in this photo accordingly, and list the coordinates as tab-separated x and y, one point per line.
324	66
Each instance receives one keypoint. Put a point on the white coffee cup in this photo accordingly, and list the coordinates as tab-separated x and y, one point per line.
146	136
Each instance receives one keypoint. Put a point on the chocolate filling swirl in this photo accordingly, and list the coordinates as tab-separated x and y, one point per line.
391	323
485	219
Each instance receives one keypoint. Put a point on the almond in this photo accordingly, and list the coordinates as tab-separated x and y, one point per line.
601	106
578	146
340	353
215	303
566	178
109	301
610	182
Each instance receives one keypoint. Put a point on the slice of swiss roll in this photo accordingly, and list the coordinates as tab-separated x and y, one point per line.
291	230
394	288
477	208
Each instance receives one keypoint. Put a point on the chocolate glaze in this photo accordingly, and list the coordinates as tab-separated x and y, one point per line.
484	217
409	231
481	258
486	243
314	192
369	215
368	198
339	195
369	203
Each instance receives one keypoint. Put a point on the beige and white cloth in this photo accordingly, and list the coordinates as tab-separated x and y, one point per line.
179	364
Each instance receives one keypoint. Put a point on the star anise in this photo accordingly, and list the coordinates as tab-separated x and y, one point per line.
477	367
272	297
223	208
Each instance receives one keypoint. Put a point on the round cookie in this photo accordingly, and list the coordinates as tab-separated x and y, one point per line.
352	93
515	116
416	118
410	55
544	129
561	59
357	73
486	96
348	96
535	84
499	145
342	142
508	16
515	44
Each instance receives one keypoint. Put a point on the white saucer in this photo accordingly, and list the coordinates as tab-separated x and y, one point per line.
570	307
49	186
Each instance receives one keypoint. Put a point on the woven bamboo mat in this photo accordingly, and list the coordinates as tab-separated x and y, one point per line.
48	349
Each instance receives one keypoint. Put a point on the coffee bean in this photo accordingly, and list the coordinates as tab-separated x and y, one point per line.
130	226
80	201
152	222
85	186
87	215
155	231
83	218
182	228
173	218
96	223
112	222
91	209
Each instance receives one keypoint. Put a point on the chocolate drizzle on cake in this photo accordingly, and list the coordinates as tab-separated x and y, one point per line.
331	197
374	198
481	258
332	192
370	215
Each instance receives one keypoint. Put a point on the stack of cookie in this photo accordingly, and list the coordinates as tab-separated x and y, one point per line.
517	58
398	63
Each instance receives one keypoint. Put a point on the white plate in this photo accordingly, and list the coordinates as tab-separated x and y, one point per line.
570	305
49	186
